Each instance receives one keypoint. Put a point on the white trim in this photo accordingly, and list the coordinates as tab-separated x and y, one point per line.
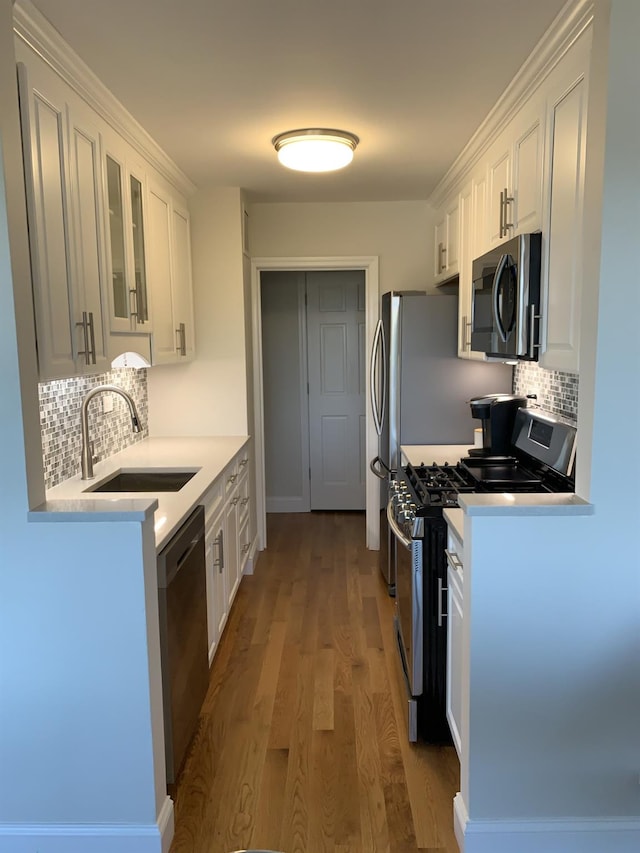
587	835
37	33
369	264
297	503
91	838
571	21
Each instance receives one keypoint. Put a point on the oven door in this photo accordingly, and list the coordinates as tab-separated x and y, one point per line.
409	597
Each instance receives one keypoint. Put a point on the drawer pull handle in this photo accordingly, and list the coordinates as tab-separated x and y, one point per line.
453	560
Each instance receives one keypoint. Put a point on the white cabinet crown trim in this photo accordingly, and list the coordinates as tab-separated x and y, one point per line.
34	29
561	35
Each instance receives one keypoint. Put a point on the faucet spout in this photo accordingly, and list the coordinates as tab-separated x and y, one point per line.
86	457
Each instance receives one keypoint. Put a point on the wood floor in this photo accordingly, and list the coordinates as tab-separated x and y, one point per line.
301	745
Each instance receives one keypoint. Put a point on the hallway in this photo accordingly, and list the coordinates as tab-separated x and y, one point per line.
300	746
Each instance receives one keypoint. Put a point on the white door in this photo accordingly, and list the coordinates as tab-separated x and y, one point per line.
336	364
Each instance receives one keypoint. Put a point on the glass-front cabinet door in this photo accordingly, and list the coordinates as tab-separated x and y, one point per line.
126	238
116	237
140	309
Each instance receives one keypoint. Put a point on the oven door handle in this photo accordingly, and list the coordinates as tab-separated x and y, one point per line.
393	525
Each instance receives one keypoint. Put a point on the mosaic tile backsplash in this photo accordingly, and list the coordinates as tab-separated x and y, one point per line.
60	403
556	391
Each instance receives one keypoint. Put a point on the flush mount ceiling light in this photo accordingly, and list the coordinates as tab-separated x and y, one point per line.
315	149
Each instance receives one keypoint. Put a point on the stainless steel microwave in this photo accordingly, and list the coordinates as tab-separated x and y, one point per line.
505	320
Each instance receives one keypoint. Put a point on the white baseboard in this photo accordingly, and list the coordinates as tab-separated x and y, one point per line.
292	504
91	838
605	835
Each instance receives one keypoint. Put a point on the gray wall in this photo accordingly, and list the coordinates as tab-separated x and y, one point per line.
282	295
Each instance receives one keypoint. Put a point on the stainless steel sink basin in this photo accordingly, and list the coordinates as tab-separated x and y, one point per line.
144	480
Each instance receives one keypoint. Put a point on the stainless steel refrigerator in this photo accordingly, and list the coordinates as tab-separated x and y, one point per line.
420	389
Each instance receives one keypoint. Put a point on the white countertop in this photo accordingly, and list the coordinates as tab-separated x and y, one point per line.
208	456
455	520
438	453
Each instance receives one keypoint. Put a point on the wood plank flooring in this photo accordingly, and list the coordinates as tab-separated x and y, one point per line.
301	745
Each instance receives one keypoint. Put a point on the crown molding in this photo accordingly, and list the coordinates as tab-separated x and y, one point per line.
36	32
569	24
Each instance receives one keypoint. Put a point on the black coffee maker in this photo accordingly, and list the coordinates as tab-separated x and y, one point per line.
497	413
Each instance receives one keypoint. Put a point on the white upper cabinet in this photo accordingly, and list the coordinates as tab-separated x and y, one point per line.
125	178
446	249
62	153
514	203
105	249
170	275
564	183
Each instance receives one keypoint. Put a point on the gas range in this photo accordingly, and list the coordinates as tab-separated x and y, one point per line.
541	460
535	466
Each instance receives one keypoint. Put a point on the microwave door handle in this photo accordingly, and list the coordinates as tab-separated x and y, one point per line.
375	352
495	294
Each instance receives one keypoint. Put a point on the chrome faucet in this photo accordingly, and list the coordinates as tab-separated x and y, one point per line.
86	458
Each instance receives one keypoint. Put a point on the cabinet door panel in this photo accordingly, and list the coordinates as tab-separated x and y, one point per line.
159	270
526	206
43	132
565	230
499	180
90	271
182	288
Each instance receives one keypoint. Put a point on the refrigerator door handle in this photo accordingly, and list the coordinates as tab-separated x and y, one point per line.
386	473
377	350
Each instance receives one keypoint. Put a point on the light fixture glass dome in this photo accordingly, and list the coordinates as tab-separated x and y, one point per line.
315	149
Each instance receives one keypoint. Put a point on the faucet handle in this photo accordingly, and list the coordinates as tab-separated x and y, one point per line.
92	451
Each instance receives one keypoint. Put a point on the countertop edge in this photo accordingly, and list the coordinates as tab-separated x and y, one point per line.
55	511
525	504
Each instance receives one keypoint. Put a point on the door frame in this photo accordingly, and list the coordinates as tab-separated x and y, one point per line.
369	265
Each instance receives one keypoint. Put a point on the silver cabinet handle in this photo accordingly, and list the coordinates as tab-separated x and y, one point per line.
245	547
505	199
244	461
92	339
466	340
133	303
219	541
443	257
232	478
181	347
453	560
441	612
244	501
86	352
532	329
234	501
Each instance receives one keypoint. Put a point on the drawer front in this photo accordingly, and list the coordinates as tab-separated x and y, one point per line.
245	500
244	543
231	477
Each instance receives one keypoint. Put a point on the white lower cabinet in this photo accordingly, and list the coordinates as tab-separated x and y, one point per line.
455	682
216	597
232	556
229	539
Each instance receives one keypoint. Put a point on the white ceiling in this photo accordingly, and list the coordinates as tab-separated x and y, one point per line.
213	81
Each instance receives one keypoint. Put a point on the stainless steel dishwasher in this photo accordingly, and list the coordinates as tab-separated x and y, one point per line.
182	603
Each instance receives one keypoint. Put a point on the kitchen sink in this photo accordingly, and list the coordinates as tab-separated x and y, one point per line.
145	480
